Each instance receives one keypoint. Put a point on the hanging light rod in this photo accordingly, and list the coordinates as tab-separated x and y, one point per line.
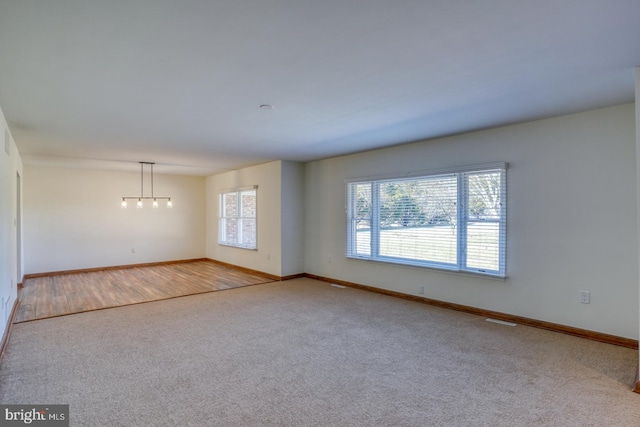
142	197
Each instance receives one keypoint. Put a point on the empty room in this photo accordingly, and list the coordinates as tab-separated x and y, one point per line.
360	213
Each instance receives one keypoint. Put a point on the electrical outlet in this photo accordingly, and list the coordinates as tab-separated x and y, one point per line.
421	290
585	297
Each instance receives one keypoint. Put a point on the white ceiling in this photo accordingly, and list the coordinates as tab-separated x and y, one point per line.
104	84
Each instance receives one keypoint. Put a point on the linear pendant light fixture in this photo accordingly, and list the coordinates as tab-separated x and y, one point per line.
142	196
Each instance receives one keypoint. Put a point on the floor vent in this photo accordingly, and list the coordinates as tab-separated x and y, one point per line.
501	322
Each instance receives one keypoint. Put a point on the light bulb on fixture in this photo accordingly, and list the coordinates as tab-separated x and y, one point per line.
142	196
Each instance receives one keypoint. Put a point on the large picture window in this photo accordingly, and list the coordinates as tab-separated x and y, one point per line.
453	220
237	219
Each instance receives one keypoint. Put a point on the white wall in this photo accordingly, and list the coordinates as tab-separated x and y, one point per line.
280	218
10	270
292	218
73	219
571	219
267	258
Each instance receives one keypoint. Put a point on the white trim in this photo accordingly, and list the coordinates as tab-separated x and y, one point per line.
425	173
468	273
461	220
464	219
222	234
7	142
245	188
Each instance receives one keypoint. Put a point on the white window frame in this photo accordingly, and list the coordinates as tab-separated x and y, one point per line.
463	221
223	236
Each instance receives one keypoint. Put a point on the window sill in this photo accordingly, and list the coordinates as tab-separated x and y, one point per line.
438	269
237	247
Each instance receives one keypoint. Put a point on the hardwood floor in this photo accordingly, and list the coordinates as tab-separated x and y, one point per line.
52	296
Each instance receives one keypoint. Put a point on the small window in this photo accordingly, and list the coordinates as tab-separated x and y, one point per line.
452	220
237	220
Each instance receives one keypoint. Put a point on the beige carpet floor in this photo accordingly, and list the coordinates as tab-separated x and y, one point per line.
304	353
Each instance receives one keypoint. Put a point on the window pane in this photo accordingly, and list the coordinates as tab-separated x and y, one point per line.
238	223
361	210
230	208
363	201
363	237
230	230
414	220
435	243
484	195
248	232
248	204
483	245
418	218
